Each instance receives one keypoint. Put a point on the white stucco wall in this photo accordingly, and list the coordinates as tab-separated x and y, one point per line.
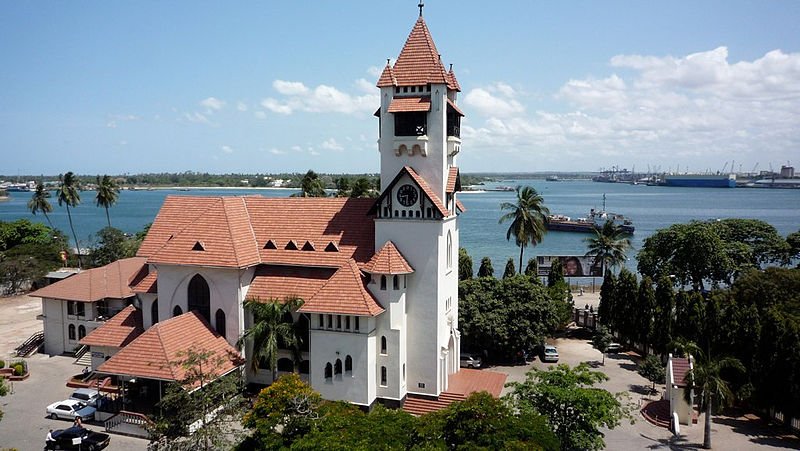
358	387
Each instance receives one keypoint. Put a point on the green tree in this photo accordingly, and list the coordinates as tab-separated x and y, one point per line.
575	409
793	240
652	369
509	271
528	216
645	309
606	308
608	246
362	188
112	245
532	268
3	392
601	340
759	241
283	412
709	386
269	328
663	315
464	264
69	196
39	202
107	194
486	269
311	186
343	186
202	396
625	308
556	274
344	427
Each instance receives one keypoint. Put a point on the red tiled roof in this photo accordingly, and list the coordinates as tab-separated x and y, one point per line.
345	293
232	231
146	281
282	282
109	281
118	331
387	77
680	367
453	105
451	80
409	104
460	206
156	353
428	191
221	236
453	184
388	260
419	62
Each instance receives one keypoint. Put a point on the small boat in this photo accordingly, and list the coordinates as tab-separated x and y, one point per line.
551	178
593	221
502	188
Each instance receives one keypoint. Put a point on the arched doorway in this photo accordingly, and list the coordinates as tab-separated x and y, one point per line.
199	297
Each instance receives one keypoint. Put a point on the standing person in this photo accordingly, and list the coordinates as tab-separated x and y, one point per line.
50	436
77	423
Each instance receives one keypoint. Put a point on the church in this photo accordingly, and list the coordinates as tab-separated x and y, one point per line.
378	277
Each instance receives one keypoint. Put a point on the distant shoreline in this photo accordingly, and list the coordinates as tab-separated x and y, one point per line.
188	188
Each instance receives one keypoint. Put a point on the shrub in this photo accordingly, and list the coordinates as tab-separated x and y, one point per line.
19	369
2	363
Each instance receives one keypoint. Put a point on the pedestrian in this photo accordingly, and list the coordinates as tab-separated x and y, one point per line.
50	436
78	423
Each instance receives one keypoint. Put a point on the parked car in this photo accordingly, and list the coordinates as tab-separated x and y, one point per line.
69	409
79	438
87	396
550	354
614	347
470	360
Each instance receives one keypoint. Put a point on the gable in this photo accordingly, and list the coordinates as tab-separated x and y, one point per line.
398	200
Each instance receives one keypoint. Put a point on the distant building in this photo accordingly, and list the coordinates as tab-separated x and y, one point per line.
677	386
787	172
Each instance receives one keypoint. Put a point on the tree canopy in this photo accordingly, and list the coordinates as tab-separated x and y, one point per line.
528	216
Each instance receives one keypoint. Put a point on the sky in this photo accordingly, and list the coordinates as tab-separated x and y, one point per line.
128	87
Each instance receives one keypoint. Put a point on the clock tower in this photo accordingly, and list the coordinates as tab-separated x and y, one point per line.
417	212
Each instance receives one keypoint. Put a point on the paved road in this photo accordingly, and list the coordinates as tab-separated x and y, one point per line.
24	425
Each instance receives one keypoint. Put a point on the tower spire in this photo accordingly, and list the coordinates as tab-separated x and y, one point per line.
421	5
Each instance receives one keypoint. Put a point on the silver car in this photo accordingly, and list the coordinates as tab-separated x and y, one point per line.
69	409
550	354
470	360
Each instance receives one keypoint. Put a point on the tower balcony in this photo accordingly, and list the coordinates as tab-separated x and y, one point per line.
411	145
453	145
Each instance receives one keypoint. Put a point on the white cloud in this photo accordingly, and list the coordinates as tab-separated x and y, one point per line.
260	115
700	107
227	149
366	86
241	106
495	100
115	119
290	88
321	99
331	144
275	151
198	118
374	71
212	104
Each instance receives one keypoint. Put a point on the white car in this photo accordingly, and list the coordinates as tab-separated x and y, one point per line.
87	396
550	354
69	409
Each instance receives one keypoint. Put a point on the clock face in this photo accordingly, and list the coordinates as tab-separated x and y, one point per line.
407	195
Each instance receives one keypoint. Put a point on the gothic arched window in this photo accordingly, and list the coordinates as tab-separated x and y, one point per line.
219	318
348	364
71	330
81	332
383	344
328	370
337	368
154	312
383	282
199	297
449	250
177	311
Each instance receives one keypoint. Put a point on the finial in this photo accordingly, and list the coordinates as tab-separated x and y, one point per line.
421	5
451	67
387	61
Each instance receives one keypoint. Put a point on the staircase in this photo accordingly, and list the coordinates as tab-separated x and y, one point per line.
84	357
657	413
129	423
420	406
30	345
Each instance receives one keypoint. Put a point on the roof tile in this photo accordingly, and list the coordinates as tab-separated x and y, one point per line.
109	281
118	331
344	293
419	62
409	104
388	260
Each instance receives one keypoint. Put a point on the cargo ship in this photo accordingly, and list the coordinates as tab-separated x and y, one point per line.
701	180
593	221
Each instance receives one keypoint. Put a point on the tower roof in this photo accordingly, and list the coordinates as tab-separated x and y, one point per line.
419	62
388	260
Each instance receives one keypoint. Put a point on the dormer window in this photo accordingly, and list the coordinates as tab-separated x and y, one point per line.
410	124
309	246
270	245
291	246
198	246
331	247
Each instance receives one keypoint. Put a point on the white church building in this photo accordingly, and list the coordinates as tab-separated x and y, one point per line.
378	277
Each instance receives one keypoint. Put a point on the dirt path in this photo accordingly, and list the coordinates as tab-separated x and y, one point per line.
18	321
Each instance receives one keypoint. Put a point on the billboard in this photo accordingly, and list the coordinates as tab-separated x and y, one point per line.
574	265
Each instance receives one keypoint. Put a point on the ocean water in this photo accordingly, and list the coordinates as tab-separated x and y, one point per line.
650	208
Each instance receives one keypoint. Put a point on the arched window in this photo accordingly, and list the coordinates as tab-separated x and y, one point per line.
71	330
199	297
285	365
337	368
383	282
154	312
177	311
348	364
396	282
383	376
383	344
328	370
302	326
81	332
449	250
219	318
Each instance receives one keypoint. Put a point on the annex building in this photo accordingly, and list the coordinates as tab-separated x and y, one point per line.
378	277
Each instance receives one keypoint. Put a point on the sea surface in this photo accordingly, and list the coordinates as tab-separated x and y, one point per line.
650	207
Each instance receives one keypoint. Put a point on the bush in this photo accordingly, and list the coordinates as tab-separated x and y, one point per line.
2	364
19	370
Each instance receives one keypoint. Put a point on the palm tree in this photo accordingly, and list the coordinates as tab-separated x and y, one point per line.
706	381
107	194
609	246
39	202
268	329
69	196
528	218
